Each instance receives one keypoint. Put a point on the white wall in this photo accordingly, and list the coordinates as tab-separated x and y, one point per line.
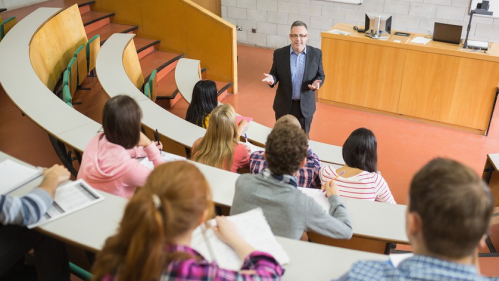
14	4
272	18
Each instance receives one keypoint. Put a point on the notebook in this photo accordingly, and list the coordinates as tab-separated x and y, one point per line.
448	33
14	175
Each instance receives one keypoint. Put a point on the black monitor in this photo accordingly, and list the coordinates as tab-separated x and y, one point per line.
378	26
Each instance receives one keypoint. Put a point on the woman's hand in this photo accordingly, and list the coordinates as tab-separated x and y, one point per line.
144	140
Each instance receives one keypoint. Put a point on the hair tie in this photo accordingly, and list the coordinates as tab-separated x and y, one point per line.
156	200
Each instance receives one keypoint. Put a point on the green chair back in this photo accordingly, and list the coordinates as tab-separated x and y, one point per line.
7	25
147	91
153	85
66	95
65	78
93	47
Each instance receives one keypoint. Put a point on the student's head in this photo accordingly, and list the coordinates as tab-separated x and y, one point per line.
121	121
287	120
175	200
298	36
204	100
285	149
360	150
217	146
449	209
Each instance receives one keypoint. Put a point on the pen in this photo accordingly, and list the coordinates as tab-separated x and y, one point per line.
156	137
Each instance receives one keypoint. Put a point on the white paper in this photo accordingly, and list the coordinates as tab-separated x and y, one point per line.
396	259
420	40
253	147
168	157
337	31
14	175
252	227
70	198
318	196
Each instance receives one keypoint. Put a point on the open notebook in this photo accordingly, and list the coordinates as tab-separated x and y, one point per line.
14	175
70	198
168	157
318	196
253	228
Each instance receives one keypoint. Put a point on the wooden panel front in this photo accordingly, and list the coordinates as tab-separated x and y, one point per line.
355	243
362	74
449	89
214	6
132	66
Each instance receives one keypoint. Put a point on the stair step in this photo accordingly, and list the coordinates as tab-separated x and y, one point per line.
163	62
84	7
95	20
144	46
167	88
106	31
93	16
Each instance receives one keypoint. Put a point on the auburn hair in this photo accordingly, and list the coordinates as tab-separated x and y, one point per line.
138	250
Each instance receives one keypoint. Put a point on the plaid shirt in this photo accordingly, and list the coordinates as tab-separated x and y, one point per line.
418	267
308	176
197	268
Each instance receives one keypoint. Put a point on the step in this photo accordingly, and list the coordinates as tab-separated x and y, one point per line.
93	20
167	90
163	62
84	7
106	31
144	46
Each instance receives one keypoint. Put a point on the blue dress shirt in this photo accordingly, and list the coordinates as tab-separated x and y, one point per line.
297	62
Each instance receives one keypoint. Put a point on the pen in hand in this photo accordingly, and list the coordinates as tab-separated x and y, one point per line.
156	137
323	188
246	137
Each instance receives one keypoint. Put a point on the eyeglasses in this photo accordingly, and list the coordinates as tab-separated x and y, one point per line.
298	35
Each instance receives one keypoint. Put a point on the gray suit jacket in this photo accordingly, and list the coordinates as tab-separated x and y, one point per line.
281	71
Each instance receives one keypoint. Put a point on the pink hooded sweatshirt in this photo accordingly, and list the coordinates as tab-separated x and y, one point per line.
111	168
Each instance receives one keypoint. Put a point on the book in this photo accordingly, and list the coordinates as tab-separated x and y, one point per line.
15	175
168	157
318	196
252	226
68	199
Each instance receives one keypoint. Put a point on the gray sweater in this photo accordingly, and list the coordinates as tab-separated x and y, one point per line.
288	211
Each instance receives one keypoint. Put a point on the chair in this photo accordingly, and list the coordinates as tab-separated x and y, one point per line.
73	75
153	85
79	272
7	25
66	95
93	47
82	66
147	91
65	78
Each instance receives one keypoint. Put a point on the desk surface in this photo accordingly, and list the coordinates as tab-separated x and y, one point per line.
28	92
433	46
90	227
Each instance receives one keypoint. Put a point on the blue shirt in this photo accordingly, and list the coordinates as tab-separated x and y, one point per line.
24	210
297	62
418	267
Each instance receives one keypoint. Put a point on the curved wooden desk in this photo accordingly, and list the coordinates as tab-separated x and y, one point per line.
30	95
90	227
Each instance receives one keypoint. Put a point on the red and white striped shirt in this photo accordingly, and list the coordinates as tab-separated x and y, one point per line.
366	185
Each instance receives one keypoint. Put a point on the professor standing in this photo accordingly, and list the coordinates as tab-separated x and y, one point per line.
298	69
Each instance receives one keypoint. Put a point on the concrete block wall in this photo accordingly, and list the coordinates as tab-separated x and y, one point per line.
14	4
272	18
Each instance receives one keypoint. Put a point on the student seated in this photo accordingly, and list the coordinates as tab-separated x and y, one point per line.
447	218
108	162
308	175
204	100
51	260
289	211
360	179
153	240
220	146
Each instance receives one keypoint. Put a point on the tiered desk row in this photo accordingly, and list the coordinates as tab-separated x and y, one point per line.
89	228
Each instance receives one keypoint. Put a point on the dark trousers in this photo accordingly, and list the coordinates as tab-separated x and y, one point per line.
305	123
51	259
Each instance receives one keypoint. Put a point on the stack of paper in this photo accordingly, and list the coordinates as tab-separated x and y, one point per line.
337	31
252	227
14	175
420	40
68	199
168	157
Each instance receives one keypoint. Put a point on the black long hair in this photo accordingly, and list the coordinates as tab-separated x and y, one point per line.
204	100
360	150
